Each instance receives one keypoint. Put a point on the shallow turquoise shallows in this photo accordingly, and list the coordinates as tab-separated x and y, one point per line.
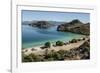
32	37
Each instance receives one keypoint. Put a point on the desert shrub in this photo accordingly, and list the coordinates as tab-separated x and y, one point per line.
73	41
48	55
83	38
79	39
56	56
31	58
26	58
35	57
59	43
53	56
61	52
48	44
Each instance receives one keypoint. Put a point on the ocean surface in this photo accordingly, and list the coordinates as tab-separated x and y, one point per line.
32	36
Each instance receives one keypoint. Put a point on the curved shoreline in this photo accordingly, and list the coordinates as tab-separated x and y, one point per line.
39	51
52	41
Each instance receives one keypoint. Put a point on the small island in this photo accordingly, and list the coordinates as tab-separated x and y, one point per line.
41	24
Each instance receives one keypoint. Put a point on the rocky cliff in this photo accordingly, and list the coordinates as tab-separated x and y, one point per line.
75	26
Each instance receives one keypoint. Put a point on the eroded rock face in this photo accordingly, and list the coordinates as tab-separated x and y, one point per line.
41	24
75	26
80	53
85	50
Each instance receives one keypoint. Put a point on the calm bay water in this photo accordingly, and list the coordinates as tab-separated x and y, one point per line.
32	36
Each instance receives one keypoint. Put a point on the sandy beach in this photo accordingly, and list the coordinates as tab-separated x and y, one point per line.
37	50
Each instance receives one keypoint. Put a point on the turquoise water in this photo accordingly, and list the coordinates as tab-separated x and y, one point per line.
32	36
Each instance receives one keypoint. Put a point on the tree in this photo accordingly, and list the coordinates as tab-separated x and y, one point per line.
48	44
83	38
59	43
73	41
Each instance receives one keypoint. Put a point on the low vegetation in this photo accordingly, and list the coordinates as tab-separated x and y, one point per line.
73	41
47	44
83	52
59	43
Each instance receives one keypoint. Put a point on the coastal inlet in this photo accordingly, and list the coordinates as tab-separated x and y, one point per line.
33	36
44	41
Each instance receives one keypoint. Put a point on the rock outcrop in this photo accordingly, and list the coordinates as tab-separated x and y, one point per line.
75	26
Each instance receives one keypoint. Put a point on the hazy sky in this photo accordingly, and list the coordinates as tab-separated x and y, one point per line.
29	15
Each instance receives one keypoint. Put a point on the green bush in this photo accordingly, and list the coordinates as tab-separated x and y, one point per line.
59	43
35	57
48	44
55	55
26	59
31	58
73	41
83	38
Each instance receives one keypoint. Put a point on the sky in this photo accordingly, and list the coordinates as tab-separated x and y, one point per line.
30	15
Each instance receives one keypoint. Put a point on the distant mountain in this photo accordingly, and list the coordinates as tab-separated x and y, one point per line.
75	26
51	22
42	24
56	23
